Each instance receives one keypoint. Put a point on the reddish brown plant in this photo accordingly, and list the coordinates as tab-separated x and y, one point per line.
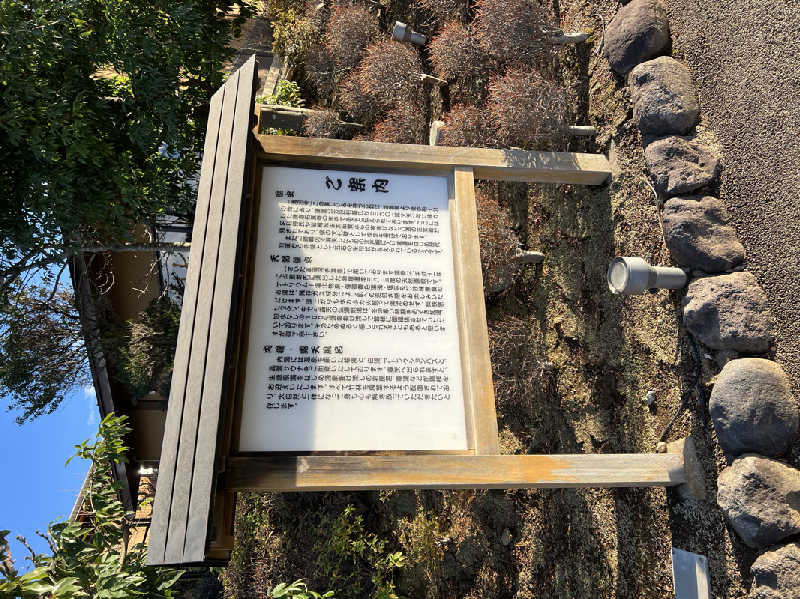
467	126
357	104
445	10
405	124
455	54
529	110
390	73
497	240
320	71
350	29
513	31
322	123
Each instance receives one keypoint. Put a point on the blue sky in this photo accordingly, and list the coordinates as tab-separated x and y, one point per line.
37	488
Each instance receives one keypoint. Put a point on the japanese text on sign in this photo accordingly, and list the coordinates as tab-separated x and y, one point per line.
353	336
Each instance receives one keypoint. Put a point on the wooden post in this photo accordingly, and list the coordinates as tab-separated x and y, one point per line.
475	359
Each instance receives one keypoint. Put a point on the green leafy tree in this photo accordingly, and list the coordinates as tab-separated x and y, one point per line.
91	555
103	105
42	350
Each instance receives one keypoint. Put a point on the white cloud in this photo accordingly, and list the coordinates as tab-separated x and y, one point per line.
93	418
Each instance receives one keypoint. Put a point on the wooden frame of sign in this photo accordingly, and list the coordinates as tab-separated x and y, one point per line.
201	468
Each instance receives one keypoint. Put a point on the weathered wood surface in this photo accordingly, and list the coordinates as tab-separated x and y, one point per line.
339	473
169	447
182	487
220	325
473	332
186	471
503	165
288	117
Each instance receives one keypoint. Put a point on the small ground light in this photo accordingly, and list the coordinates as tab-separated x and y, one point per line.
404	33
633	275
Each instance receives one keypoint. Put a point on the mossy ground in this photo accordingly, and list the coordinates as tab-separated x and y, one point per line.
572	365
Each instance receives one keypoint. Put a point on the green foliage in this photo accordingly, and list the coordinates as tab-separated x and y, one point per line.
270	9
296	590
287	93
42	353
351	552
91	556
293	35
103	105
421	538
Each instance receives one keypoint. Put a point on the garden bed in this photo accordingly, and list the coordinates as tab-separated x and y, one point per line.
572	366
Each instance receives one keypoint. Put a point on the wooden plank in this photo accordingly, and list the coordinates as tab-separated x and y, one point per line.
283	117
197	362
169	447
221	322
503	165
474	333
340	473
223	522
288	117
461	302
690	575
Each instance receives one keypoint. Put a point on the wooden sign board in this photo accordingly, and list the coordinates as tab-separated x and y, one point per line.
354	311
333	333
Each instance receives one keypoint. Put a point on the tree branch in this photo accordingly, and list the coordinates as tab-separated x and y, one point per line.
49	540
13	272
7	568
58	280
24	542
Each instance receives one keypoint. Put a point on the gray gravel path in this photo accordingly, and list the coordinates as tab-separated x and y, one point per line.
745	58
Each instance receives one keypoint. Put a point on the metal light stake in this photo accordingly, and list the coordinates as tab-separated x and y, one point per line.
403	33
631	275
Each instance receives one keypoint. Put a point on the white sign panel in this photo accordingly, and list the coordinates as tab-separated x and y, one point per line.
353	340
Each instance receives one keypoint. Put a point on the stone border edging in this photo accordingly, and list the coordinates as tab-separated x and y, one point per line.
725	309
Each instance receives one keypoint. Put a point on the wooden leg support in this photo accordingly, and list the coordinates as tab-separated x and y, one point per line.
339	473
694	487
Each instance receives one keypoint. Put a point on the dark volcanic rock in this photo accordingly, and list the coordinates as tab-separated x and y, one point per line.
761	499
680	164
753	408
639	31
664	99
776	574
729	312
698	234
